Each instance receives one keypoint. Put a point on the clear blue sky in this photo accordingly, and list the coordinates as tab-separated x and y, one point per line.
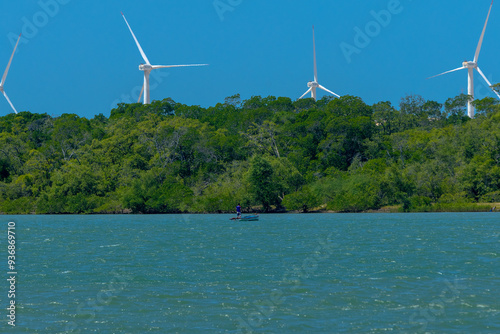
80	57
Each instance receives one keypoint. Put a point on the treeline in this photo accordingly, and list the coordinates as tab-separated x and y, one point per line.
265	153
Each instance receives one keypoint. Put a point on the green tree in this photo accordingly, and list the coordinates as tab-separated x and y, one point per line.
261	183
456	109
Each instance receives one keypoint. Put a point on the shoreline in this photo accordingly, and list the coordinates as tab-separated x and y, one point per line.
481	208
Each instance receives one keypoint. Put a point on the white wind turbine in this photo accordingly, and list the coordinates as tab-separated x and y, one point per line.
147	68
5	76
470	66
313	85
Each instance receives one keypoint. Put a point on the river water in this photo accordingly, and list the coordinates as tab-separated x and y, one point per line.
291	273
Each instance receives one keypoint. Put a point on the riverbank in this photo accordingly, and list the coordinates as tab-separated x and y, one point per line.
433	208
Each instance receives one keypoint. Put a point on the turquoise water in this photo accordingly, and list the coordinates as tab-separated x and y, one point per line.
318	273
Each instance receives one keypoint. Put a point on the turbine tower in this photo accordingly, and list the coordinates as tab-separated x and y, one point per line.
5	76
147	67
314	85
470	66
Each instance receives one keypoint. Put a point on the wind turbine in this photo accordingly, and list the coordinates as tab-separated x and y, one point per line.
5	76
470	66
147	68
313	85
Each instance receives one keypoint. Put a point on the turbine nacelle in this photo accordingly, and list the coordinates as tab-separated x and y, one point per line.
145	67
469	64
313	84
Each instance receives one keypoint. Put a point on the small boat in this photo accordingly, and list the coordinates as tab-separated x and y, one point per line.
247	218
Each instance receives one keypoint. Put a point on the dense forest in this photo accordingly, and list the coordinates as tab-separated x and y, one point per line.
269	154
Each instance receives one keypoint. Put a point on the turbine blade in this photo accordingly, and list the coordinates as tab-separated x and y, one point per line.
169	66
137	42
476	56
315	64
8	100
308	91
140	95
329	91
457	69
8	66
487	81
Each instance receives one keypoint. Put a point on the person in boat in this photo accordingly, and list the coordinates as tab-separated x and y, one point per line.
238	211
